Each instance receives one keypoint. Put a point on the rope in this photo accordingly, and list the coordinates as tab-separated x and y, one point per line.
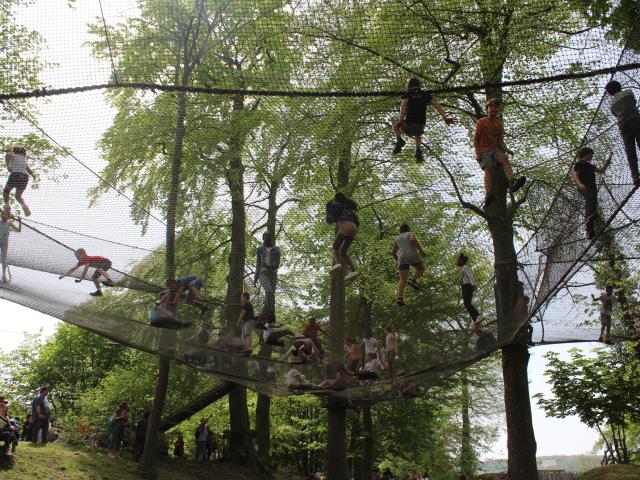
43	92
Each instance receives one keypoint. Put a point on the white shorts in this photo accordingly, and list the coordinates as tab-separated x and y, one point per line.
248	327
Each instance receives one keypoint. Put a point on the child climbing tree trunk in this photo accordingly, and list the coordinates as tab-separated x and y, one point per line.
337	468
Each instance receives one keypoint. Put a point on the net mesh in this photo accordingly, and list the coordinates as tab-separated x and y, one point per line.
296	91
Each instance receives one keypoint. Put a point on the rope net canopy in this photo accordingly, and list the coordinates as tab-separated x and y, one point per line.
281	103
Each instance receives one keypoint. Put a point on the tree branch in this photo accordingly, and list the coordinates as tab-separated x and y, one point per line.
464	203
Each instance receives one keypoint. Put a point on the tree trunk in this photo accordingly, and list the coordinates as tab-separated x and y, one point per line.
521	442
337	468
147	467
368	451
263	405
467	457
239	441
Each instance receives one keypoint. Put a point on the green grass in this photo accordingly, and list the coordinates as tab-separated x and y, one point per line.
61	462
612	472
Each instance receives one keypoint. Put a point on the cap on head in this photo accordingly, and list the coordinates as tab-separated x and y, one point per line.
404	228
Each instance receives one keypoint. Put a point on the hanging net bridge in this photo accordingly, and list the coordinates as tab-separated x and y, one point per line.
282	103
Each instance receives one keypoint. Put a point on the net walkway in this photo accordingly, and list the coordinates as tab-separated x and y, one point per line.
318	83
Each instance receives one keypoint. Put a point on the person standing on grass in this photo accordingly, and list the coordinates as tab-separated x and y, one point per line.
41	414
407	250
119	421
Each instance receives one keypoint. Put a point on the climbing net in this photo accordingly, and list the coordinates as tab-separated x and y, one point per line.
296	94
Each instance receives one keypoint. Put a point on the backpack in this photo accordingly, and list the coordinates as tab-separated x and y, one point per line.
334	211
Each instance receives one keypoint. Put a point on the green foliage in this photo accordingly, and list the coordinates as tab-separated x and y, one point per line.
600	390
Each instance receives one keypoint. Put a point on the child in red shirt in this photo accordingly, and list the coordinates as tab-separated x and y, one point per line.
101	264
491	150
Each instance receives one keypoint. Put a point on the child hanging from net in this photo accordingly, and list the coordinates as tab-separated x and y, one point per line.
413	116
607	301
584	174
19	172
407	250
101	264
468	285
343	211
491	150
6	225
625	109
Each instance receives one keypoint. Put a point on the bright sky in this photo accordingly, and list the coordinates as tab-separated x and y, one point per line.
567	436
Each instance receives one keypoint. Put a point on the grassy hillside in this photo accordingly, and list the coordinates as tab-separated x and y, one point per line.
60	462
612	472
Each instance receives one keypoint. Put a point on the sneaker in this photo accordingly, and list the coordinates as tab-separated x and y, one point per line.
27	211
419	156
400	301
479	319
108	283
335	268
398	146
97	293
516	184
414	283
350	277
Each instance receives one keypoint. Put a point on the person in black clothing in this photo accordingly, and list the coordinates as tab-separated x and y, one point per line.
413	116
28	428
585	178
140	436
348	224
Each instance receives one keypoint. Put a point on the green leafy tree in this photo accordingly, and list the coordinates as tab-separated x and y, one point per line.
600	390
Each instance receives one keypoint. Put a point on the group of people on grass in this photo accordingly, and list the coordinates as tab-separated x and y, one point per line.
35	428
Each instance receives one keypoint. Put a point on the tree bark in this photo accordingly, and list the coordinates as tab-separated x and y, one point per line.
239	441
368	444
521	442
467	457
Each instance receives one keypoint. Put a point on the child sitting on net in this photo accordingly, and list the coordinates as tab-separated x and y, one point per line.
584	174
413	116
6	225
164	312
19	172
101	264
491	151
